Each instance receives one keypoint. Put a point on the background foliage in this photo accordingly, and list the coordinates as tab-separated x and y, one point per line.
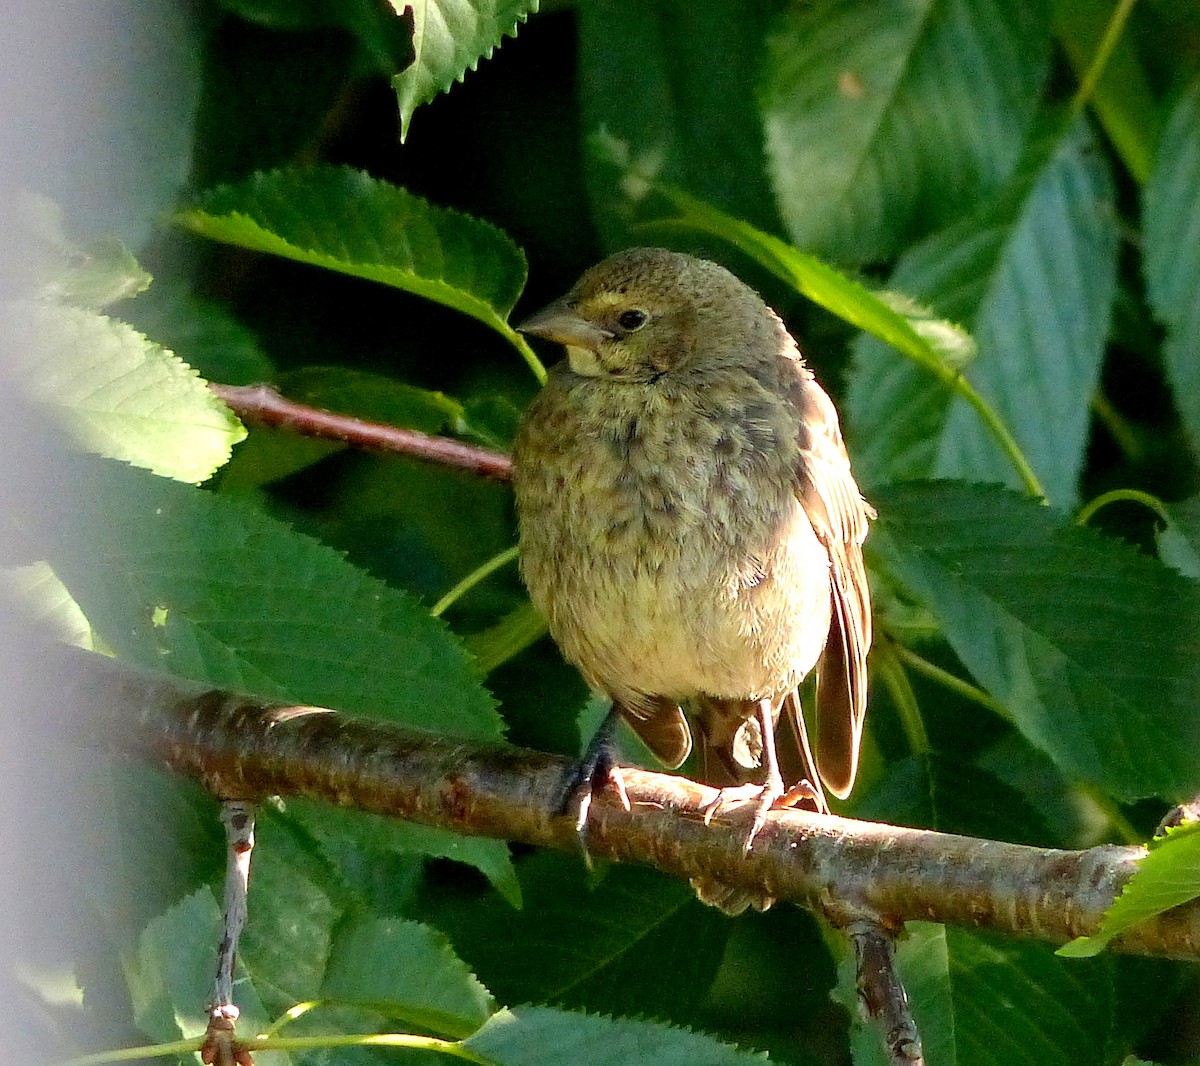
355	226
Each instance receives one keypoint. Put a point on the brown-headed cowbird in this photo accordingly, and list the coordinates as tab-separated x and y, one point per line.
690	527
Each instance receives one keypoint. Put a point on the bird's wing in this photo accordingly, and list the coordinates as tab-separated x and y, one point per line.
660	725
839	517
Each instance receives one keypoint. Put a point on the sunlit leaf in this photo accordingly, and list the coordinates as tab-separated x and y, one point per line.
1033	278
406	970
122	395
1168	876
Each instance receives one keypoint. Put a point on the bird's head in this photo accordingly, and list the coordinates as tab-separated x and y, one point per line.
644	312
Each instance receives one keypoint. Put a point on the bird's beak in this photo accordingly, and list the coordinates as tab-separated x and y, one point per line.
558	322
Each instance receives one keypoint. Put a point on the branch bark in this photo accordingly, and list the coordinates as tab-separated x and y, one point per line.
852	871
263	405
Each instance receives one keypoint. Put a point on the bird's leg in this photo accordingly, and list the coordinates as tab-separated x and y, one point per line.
591	774
772	789
772	794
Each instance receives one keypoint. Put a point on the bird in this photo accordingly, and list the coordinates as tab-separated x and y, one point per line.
690	527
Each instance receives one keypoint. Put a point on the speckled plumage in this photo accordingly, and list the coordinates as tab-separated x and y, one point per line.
689	524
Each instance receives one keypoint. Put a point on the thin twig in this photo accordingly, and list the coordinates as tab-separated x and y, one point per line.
263	405
220	1046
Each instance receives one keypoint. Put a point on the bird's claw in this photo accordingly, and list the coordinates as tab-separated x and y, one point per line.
594	773
767	798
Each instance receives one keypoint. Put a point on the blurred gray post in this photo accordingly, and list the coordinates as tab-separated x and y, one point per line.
96	107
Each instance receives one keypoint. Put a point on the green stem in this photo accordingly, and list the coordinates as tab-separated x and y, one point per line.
1117	425
136	1054
472	579
1124	828
950	681
1112	812
453	1048
528	354
297	1010
896	679
1088	511
1008	443
1112	34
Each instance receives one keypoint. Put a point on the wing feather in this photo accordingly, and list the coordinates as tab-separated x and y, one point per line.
839	517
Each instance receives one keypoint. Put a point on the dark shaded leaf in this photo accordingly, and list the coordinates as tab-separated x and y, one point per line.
1093	648
886	120
1171	217
533	1036
1033	279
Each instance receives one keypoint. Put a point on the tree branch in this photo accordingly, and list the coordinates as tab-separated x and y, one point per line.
263	405
851	871
882	996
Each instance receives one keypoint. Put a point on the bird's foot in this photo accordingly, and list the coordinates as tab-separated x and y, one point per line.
594	773
766	798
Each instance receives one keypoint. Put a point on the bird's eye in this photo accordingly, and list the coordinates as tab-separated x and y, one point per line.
631	320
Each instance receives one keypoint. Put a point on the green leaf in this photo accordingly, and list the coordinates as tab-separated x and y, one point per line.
348	836
47	603
170	979
122	395
1171	219
373	397
297	900
152	839
207	588
203	333
491	420
533	1036
406	970
91	274
344	220
382	36
1034	280
408	518
953	796
1179	541
1168	876
515	632
886	120
1092	647
596	947
939	346
449	38
984	1001
647	80
1072	818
